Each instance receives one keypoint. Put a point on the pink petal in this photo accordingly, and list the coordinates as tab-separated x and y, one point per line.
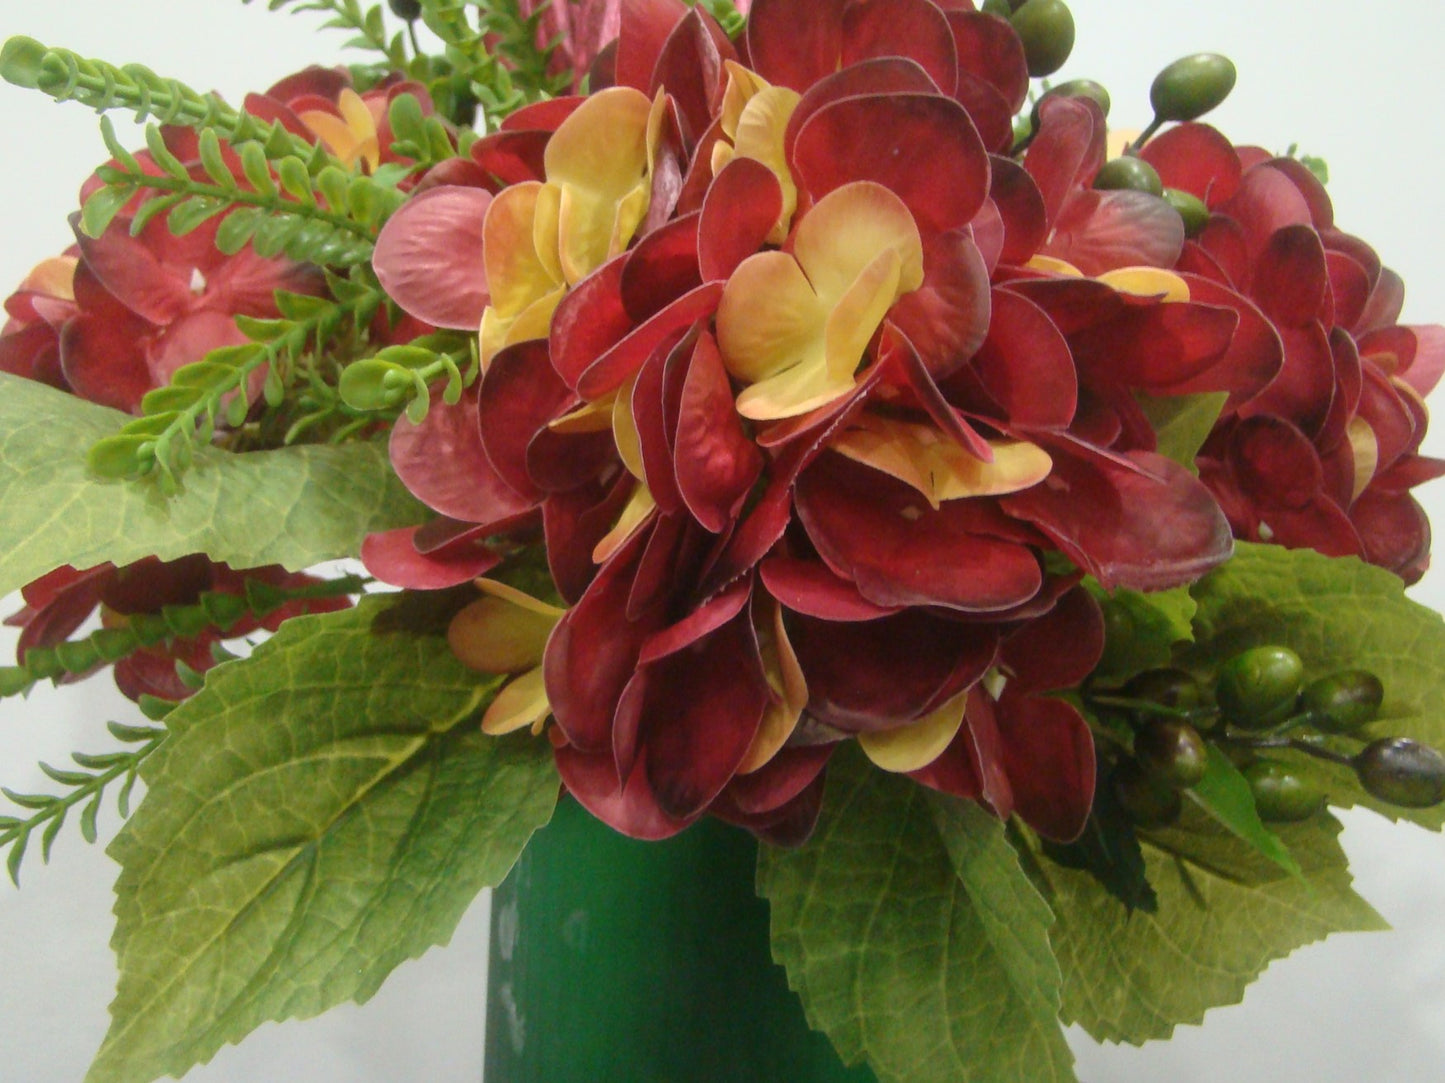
428	257
393	558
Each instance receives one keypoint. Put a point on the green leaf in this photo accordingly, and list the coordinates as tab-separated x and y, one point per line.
320	812
1183	422
1140	630
102	206
914	939
1109	851
294	506
1335	613
1224	914
1224	793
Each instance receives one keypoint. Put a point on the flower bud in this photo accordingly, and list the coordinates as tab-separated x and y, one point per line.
1129	172
1402	772
1190	207
1147	800
1257	688
1191	86
1046	28
1280	795
1172	751
1343	702
405	9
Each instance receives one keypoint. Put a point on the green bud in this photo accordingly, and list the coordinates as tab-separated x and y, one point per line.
1280	795
1191	86
1146	799
1343	702
1129	172
1402	772
1046	28
1173	751
1257	689
405	9
1167	687
20	62
1190	207
1002	8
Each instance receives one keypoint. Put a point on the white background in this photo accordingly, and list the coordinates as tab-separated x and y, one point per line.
1355	83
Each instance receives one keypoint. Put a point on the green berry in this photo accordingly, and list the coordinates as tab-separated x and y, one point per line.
1191	86
1402	772
1280	795
1173	752
1147	800
1257	688
1001	8
1129	172
1046	28
1167	687
1190	207
405	9
1343	702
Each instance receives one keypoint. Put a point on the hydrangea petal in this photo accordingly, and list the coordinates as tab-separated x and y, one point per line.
428	257
495	635
522	702
916	744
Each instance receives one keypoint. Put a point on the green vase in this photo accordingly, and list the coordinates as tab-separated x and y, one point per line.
618	961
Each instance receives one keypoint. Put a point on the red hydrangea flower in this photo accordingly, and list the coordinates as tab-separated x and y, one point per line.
809	410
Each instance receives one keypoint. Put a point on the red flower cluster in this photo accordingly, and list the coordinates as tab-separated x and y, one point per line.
802	382
1325	457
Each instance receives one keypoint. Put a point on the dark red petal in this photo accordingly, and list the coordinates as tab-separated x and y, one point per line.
1197	159
1048	753
1255	353
971	766
511	157
134	270
879	674
1154	346
589	321
1058	649
102	356
1069	145
947	317
1395	532
614	367
1021	207
811	588
1322	212
921	146
592	779
789	826
739	210
990	49
988	110
882	534
1349	287
1100	231
690	68
717	463
545	116
1290	276
1387	299
794	45
1266	201
656	398
778	781
1026	366
573	522
1305	387
520	392
1127	528
393	558
915	29
662	267
646	26
428	257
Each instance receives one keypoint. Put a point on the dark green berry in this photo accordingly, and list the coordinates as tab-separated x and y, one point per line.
1168	687
1046	28
1191	86
1147	800
405	9
1190	207
1172	751
1402	772
1129	172
1280	795
1343	702
1257	688
1001	8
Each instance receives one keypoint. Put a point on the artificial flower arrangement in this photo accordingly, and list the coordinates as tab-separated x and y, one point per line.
798	416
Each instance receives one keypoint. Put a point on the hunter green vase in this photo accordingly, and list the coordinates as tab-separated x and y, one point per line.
618	961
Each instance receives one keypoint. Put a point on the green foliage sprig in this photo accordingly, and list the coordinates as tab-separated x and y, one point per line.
67	76
214	388
218	610
86	787
400	377
368	23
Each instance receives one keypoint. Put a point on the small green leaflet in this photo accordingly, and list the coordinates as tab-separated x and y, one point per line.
1224	793
1224	914
1336	613
1140	630
321	812
914	938
294	506
1182	422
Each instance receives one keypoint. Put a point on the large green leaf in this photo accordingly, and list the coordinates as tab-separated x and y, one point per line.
321	812
1224	913
1336	613
294	506
927	957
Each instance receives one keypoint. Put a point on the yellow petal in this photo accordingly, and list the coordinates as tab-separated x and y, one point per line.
508	593
523	702
1117	140
53	277
335	135
769	318
847	230
495	635
743	85
917	744
624	430
639	507
544	230
758	134
516	274
794	391
534	321
1050	265
790	687
1366	447
594	416
859	312
1147	282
